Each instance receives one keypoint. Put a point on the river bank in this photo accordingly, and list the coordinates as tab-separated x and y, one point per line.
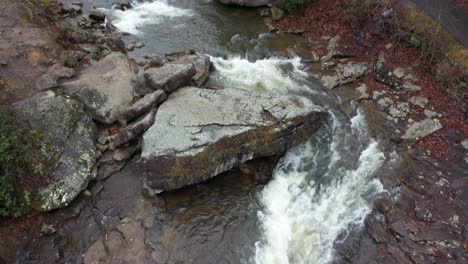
423	210
422	218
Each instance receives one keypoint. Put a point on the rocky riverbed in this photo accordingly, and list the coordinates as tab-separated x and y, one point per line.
123	129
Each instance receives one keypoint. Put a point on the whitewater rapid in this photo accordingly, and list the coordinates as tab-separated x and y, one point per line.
319	190
306	206
145	13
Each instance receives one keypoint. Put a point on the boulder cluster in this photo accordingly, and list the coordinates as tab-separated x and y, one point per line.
339	69
99	109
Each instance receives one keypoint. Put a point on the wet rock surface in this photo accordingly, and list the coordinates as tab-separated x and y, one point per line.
201	133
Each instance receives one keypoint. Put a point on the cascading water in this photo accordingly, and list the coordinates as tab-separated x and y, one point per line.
319	190
314	196
146	13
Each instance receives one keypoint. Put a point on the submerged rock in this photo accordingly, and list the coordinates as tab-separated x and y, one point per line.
104	87
201	133
248	3
70	132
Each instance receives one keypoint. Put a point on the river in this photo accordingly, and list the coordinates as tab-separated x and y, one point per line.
319	191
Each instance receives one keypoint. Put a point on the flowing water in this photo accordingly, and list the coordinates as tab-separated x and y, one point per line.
319	191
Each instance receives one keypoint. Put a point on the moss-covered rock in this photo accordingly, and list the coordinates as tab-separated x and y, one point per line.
201	133
69	134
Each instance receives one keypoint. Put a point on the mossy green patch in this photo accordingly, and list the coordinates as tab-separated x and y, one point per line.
422	25
22	154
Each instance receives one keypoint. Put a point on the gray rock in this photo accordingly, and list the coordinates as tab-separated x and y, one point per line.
399	72
400	110
377	94
61	71
384	102
71	58
380	60
332	46
276	13
202	67
144	105
171	76
53	75
104	87
264	12
248	3
139	44
140	85
48	229
383	75
47	81
133	130
409	86
131	47
174	56
123	4
141	62
345	73
97	14
71	134
155	63
69	8
151	56
430	113
423	128
419	101
361	92
465	143
125	153
201	133
411	77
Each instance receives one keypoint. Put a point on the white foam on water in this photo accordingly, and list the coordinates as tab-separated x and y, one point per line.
145	13
272	74
302	216
319	191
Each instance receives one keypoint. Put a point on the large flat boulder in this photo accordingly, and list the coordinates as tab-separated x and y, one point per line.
248	3
200	133
69	136
104	87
